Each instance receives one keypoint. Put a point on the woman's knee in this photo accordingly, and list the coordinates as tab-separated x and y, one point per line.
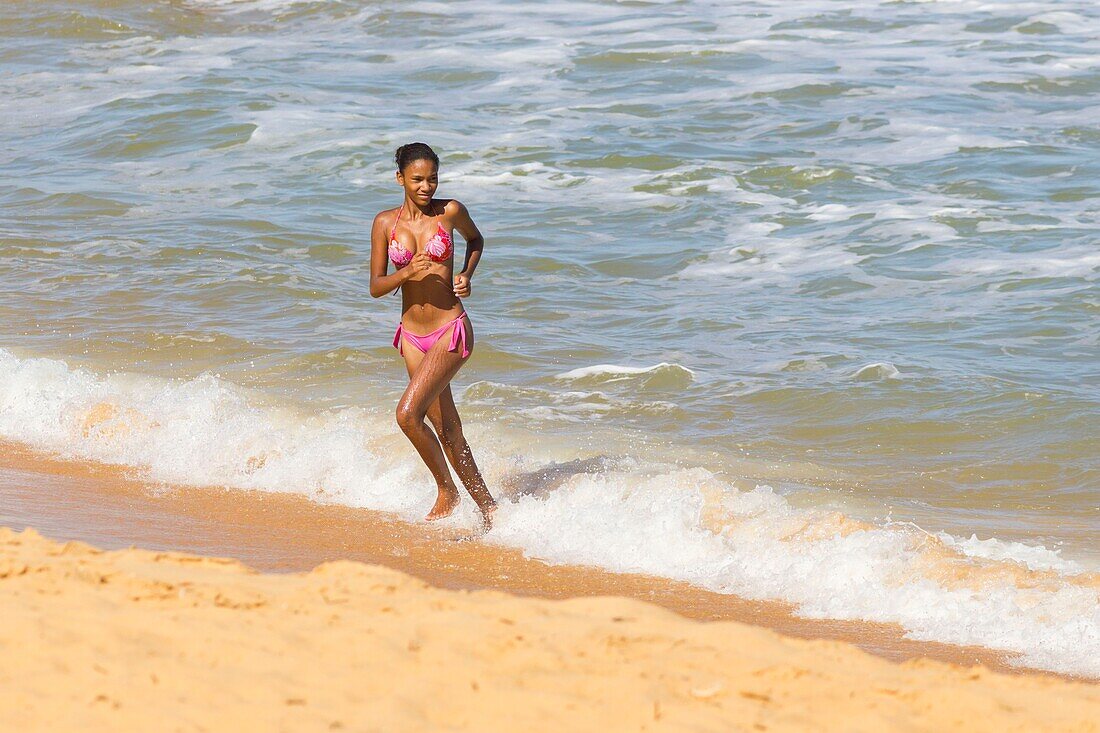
408	417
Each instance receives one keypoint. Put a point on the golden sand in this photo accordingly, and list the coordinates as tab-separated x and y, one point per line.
137	640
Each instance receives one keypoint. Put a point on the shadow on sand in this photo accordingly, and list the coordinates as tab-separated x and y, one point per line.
542	482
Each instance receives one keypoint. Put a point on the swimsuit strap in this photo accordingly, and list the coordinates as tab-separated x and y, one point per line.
397	337
459	334
394	228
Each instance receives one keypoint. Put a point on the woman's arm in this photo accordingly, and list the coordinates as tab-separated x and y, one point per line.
475	244
380	282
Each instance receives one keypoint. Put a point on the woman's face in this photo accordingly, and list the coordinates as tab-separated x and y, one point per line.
420	180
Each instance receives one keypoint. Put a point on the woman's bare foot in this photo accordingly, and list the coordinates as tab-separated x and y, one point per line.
487	510
445	504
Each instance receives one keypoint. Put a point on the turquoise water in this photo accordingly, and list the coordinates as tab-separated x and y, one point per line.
847	253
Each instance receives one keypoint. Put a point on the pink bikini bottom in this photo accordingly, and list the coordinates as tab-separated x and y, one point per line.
458	334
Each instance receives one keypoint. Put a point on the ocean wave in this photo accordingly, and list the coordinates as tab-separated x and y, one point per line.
627	514
688	525
658	376
571	406
877	372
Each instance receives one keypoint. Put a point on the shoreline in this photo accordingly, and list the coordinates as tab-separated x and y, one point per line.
134	640
106	506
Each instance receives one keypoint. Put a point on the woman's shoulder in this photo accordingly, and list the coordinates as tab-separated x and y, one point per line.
452	206
386	217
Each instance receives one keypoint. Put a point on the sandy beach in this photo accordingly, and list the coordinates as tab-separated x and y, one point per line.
783	377
137	640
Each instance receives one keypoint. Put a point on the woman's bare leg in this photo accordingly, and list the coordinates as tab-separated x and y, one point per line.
444	417
429	375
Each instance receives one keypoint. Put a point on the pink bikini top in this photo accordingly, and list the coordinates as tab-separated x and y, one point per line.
439	247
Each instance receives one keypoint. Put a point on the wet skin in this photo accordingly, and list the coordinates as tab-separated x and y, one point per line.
430	298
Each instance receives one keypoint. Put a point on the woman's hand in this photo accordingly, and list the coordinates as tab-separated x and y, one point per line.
462	285
420	262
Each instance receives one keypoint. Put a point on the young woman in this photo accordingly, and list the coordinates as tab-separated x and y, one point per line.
435	336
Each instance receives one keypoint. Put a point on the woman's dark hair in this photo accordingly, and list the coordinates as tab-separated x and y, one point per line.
407	154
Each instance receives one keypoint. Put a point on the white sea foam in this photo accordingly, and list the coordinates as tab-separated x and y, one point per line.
574	406
1063	262
755	544
917	141
274	6
1035	557
769	260
631	515
876	372
616	373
